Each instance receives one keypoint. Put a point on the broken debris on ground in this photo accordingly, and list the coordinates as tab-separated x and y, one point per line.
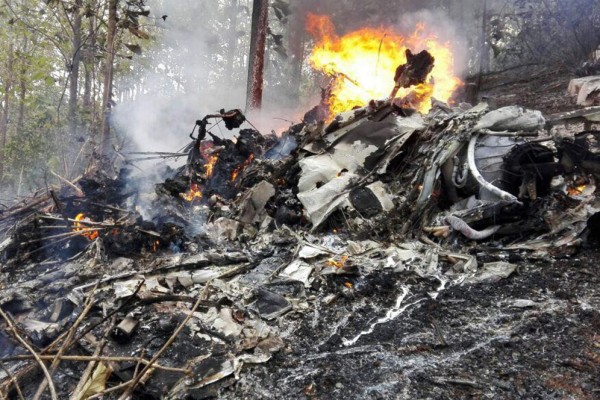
381	211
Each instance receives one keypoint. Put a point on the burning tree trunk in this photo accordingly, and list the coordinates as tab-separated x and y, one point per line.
108	75
258	39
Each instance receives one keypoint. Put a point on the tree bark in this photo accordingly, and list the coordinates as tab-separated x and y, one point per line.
75	62
87	87
108	77
256	64
8	82
89	59
22	96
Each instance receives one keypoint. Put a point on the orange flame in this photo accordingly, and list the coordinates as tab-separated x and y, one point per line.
576	190
79	227
210	165
337	264
240	168
192	194
365	62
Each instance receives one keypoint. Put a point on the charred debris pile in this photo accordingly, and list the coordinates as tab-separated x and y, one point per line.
251	236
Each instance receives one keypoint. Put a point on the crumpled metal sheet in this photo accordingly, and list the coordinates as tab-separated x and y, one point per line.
511	118
253	203
320	203
586	90
352	152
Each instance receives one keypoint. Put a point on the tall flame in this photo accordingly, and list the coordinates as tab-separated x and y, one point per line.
365	61
210	165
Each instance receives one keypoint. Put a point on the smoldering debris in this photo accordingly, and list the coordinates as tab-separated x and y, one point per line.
380	201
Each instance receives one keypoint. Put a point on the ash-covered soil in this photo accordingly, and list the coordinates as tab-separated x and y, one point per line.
544	90
534	335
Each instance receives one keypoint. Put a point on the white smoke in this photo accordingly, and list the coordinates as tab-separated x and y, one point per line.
183	78
185	74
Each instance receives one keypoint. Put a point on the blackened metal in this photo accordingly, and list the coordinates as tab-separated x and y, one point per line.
123	332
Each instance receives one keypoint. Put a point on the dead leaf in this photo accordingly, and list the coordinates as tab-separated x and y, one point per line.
96	384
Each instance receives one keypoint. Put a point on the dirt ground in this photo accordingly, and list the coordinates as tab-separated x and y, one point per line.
534	335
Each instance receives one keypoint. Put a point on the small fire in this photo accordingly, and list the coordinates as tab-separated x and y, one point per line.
79	227
364	63
193	194
241	168
337	264
155	246
576	190
210	165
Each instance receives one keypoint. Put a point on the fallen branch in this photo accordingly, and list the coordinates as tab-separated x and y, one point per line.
97	358
44	247
85	377
78	232
26	345
19	210
91	224
138	378
69	183
31	368
13	380
110	390
67	342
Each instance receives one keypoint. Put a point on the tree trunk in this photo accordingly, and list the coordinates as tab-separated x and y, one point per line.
89	59
89	98
108	76
87	87
22	96
258	39
8	81
75	61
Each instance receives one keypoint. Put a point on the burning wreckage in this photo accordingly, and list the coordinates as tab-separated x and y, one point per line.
250	236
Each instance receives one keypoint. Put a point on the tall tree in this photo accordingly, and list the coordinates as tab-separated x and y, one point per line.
108	76
89	63
256	63
8	79
74	67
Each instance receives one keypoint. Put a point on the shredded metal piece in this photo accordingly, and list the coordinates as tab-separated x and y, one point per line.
461	226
